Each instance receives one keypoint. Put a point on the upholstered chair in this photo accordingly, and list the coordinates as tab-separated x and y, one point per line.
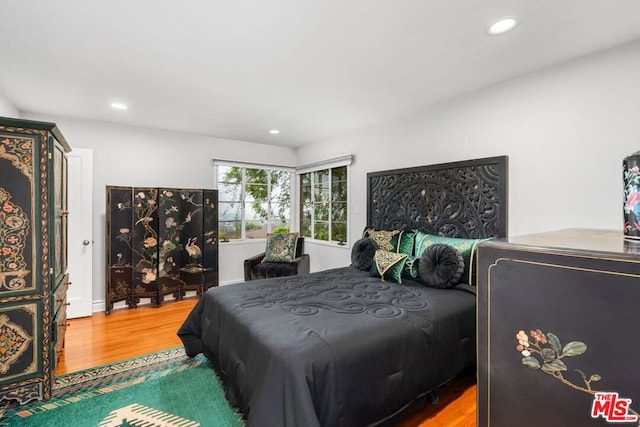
255	268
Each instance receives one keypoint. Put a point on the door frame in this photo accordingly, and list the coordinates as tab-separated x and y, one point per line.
80	238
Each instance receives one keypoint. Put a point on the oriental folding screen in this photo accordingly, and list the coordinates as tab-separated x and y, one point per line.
160	242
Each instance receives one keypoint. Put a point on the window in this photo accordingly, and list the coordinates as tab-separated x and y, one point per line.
323	204
252	201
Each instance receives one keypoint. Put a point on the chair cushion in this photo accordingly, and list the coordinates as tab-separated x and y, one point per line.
265	270
281	247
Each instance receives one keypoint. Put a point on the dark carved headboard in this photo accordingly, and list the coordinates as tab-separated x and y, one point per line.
465	199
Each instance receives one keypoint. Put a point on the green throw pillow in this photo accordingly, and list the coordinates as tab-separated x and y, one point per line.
466	247
281	247
388	265
411	267
404	242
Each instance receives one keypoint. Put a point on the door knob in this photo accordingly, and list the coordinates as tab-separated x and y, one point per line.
85	242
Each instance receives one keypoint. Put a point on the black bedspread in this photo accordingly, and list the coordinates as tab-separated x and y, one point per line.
333	348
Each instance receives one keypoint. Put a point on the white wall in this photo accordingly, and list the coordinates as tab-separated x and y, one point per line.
565	129
7	109
132	156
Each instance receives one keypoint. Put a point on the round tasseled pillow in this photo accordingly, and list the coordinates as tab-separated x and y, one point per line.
362	253
440	266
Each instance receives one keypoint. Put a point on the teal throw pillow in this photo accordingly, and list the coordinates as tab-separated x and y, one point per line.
411	267
404	242
468	248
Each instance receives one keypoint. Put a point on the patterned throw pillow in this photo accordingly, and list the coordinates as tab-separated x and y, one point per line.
388	265
382	238
281	247
466	247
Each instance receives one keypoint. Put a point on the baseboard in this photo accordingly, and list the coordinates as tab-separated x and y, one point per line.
231	282
99	305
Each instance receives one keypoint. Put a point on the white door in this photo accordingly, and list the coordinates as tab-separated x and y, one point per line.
80	240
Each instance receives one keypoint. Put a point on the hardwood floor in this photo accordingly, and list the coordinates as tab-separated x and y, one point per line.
100	339
456	407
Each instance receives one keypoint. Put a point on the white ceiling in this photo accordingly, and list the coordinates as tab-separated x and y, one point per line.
311	68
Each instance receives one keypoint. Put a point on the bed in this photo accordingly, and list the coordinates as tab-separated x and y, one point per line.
344	348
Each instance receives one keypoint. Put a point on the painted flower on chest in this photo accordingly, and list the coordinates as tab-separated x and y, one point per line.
631	203
545	353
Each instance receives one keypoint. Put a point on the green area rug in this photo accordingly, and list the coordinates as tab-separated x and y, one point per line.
160	389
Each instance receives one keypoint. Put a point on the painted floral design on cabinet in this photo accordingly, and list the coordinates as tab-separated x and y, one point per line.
18	150
14	341
13	239
14	217
546	353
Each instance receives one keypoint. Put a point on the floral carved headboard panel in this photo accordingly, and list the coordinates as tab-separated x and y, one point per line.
460	199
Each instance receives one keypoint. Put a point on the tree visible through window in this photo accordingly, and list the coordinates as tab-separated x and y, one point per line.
323	204
253	202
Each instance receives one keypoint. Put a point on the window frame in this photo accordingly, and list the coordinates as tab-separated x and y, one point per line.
243	195
328	166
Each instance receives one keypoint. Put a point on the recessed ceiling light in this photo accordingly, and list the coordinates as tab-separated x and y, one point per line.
274	131
502	25
118	106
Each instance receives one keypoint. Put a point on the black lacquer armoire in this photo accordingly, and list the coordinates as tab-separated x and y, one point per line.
33	257
160	241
